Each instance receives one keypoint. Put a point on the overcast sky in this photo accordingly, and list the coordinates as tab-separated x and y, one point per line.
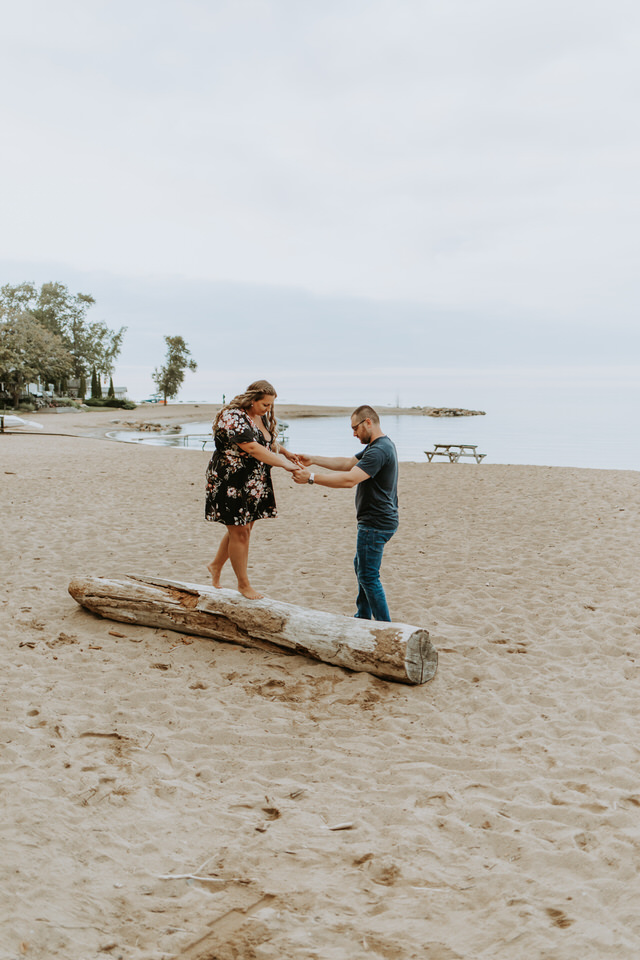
467	158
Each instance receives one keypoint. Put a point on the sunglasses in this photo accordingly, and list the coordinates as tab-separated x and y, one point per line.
355	427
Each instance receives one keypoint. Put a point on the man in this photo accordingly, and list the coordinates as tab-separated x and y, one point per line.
374	473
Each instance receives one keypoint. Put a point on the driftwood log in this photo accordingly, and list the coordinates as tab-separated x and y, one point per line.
394	651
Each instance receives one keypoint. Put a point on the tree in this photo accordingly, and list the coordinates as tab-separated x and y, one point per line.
28	352
96	388
170	377
64	314
111	391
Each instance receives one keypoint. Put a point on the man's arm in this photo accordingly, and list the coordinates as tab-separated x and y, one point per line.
339	480
329	463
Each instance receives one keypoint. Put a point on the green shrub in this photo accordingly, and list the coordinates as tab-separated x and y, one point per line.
110	402
116	402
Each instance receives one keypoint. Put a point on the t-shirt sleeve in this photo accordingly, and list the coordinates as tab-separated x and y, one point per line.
371	460
235	425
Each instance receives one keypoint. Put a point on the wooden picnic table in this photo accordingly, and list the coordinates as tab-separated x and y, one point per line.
453	451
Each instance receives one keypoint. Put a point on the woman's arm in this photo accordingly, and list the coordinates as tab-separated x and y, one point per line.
255	449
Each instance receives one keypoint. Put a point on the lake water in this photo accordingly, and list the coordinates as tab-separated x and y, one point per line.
576	418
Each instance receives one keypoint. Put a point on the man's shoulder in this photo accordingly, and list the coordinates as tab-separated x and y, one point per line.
383	445
380	451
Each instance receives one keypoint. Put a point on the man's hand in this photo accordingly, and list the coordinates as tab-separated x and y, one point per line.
304	459
301	476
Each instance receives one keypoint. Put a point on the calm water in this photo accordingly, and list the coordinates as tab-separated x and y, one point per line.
576	418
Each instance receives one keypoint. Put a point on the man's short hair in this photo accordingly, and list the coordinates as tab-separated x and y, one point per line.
365	412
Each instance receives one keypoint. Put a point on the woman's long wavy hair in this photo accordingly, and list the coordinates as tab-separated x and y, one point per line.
255	391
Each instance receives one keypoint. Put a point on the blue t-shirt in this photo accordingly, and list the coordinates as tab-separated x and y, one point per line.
377	497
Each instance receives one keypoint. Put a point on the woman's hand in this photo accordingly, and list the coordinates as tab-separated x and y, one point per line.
293	457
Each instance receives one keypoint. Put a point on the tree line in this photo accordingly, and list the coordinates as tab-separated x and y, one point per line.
45	337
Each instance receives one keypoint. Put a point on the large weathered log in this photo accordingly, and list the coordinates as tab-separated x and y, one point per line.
394	651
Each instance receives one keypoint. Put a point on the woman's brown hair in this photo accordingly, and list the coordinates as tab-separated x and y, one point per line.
255	391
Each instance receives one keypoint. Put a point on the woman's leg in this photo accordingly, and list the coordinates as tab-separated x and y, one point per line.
218	562
239	557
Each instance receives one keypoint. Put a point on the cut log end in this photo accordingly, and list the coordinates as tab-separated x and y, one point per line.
421	657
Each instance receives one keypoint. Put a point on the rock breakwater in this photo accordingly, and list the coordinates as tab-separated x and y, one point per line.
451	412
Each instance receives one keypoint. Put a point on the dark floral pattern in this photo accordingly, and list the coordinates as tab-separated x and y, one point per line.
239	487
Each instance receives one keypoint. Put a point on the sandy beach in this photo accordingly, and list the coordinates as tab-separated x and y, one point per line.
170	797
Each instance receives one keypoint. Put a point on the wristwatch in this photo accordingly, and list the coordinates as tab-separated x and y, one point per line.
311	478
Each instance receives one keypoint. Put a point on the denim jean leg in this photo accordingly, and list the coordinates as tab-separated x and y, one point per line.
371	602
363	610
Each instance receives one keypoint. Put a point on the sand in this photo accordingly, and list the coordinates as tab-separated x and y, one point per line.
494	810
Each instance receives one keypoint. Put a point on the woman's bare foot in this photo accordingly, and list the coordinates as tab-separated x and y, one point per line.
250	593
215	573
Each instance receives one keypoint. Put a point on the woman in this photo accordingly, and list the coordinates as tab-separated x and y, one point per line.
239	487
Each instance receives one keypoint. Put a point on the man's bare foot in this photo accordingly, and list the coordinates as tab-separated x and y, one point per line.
250	593
215	574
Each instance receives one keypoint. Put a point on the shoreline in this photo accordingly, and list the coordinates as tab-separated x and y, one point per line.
72	422
293	410
99	424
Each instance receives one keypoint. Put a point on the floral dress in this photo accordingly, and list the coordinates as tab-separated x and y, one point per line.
239	487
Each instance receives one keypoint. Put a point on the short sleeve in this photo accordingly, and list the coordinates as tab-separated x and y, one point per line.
236	427
371	460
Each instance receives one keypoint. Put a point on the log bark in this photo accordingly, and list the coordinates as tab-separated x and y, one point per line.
393	651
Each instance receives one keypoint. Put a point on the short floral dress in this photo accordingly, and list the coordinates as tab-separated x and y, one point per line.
239	487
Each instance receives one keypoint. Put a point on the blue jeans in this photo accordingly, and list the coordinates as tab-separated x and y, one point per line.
371	603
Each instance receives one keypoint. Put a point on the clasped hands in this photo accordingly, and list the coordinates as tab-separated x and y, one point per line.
301	461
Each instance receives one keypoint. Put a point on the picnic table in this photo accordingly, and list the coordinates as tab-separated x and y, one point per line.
453	451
